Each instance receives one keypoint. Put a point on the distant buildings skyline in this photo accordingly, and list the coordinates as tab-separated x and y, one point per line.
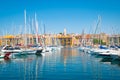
61	39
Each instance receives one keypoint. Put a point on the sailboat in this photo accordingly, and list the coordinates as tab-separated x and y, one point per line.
45	47
37	48
102	50
26	50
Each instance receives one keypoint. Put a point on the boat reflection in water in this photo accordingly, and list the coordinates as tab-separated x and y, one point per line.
22	67
64	64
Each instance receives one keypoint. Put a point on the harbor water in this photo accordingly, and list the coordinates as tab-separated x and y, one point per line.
64	64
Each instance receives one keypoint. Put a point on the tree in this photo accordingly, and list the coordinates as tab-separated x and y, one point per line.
61	33
97	41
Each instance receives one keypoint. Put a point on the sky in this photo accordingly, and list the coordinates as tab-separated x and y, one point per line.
74	15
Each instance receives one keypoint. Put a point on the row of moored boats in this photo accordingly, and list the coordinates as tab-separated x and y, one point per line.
8	50
102	51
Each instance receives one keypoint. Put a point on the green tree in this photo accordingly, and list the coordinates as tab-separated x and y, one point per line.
60	33
95	41
98	41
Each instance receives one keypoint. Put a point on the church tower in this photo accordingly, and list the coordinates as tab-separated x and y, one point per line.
65	31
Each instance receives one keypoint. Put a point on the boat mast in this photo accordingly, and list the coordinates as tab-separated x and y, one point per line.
29	32
25	38
97	28
36	26
32	31
83	38
100	41
44	34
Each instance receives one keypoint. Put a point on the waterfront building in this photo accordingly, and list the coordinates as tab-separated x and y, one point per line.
102	37
57	39
68	40
85	40
89	39
7	39
65	40
114	39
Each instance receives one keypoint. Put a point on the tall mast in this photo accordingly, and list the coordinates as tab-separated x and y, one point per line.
44	34
25	28
36	26
32	31
29	31
44	29
97	28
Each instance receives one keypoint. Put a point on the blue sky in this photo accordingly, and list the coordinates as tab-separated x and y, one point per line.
74	15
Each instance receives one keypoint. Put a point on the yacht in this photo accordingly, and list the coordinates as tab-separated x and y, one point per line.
11	49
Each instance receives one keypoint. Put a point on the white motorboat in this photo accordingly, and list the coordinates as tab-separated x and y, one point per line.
7	48
11	49
47	49
28	51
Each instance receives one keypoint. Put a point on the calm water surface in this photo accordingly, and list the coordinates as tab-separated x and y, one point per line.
67	64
